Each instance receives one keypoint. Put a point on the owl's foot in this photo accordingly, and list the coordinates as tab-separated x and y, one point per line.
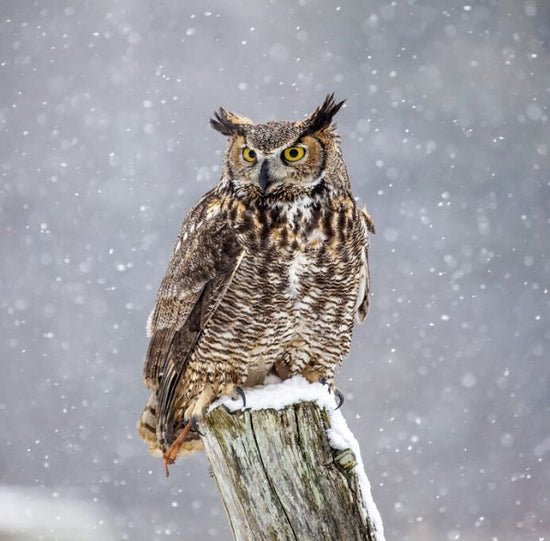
339	396
169	456
198	405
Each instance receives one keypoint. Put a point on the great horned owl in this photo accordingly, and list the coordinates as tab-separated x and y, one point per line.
268	273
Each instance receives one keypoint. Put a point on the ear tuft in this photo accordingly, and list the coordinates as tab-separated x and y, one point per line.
321	118
228	123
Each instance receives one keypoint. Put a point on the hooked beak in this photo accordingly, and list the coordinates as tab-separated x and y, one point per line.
265	178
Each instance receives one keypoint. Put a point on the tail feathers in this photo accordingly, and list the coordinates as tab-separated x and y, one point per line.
147	430
147	425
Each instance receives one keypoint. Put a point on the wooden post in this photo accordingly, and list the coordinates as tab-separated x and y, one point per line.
279	478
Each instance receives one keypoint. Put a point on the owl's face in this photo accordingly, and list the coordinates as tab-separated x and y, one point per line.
266	158
294	161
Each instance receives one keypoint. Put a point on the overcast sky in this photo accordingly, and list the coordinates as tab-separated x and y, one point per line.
105	146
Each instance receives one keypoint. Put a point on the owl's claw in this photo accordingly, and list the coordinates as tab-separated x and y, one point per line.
195	425
241	393
340	398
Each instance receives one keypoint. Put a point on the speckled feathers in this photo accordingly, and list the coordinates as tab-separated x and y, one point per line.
269	272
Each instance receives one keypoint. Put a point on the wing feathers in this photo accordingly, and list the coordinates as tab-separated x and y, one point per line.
364	276
184	341
157	352
201	269
195	262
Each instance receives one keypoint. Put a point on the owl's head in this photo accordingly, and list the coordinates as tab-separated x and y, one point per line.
267	158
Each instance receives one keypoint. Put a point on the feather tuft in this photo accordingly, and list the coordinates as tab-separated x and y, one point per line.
229	123
321	118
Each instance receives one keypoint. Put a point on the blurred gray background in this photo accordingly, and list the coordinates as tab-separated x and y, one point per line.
105	145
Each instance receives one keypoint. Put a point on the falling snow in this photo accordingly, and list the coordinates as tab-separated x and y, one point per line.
104	147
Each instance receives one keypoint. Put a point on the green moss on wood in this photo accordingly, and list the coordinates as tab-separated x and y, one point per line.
278	477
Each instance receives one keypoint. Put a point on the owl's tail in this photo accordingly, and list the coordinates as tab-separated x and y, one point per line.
147	430
147	425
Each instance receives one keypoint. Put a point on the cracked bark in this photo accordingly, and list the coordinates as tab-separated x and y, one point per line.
279	479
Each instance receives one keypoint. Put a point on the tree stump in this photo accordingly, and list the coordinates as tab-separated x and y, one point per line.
279	478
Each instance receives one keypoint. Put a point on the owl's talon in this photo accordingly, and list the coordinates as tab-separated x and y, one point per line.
195	425
241	393
324	381
340	398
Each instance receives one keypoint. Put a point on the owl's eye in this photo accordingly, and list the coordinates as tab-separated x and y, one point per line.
293	154
249	155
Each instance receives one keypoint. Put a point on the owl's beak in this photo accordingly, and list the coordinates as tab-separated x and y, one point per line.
265	178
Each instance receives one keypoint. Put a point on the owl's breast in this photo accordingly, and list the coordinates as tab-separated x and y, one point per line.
295	290
305	249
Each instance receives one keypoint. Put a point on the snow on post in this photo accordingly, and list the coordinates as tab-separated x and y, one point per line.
288	467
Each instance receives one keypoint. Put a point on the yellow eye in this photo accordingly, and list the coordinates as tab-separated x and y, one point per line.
249	155
293	154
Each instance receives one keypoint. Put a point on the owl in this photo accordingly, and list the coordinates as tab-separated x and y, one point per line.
269	273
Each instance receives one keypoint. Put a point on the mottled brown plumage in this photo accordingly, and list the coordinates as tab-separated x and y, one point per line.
268	273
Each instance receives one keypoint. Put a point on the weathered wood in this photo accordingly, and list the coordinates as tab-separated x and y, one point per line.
279	479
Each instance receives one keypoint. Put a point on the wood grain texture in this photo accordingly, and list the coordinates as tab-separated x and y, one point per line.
279	479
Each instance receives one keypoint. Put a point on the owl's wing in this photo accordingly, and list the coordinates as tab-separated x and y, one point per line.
202	265
364	275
